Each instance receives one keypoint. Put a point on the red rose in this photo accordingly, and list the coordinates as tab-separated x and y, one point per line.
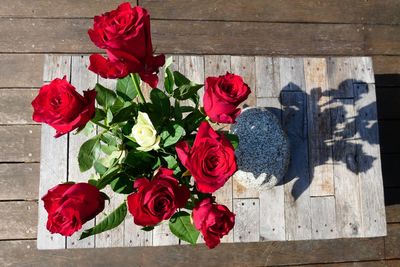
60	106
125	34
213	221
211	160
158	199
222	96
69	206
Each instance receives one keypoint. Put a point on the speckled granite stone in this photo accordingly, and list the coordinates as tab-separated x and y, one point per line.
263	152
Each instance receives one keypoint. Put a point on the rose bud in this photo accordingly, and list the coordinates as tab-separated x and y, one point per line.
222	96
211	160
213	221
144	133
158	199
60	106
69	206
125	34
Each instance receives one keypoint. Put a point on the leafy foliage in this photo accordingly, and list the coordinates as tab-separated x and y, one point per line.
181	226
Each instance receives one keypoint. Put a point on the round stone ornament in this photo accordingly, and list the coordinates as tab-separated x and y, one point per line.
263	153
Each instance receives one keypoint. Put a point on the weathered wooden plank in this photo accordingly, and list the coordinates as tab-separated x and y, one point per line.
272	104
27	66
267	77
216	65
246	230
340	78
323	217
392	248
393	213
291	72
245	67
384	39
345	169
58	67
370	12
162	236
250	38
18	219
15	106
319	128
54	161
386	65
297	194
362	70
82	79
19	181
24	253
371	185
65	9
134	236
24	146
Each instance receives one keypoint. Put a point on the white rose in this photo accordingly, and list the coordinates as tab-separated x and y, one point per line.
144	133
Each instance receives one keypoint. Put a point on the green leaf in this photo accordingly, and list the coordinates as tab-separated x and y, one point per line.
88	153
172	134
125	88
180	79
234	139
105	97
193	120
124	114
160	102
139	159
172	163
169	81
109	115
118	105
122	184
99	167
87	129
111	221
147	228
181	226
186	91
108	177
177	110
99	115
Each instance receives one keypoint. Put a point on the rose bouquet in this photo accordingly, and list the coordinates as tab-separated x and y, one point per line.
163	154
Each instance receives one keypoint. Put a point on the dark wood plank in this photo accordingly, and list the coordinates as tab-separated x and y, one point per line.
381	263
45	35
15	106
19	181
392	241
18	219
369	12
21	253
390	167
388	103
64	9
388	136
386	64
393	213
70	36
20	143
28	67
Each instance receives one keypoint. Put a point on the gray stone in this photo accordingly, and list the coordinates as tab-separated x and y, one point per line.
263	153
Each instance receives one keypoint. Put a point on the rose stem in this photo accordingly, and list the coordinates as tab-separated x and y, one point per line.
136	83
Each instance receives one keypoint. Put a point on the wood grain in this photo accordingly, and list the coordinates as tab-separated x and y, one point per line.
348	11
267	77
246	230
18	220
24	146
19	181
319	128
297	192
15	106
323	217
65	9
371	185
54	160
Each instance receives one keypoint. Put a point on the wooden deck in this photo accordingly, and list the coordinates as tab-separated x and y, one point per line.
313	28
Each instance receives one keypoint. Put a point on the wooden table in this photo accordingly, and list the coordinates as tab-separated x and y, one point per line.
333	188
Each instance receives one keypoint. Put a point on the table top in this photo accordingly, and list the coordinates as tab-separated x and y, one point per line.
327	107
